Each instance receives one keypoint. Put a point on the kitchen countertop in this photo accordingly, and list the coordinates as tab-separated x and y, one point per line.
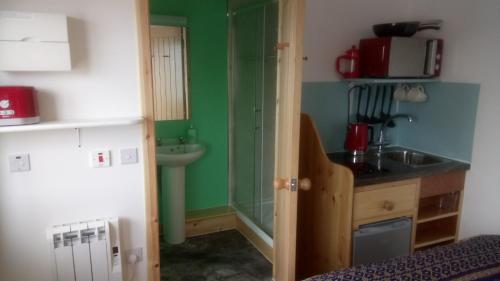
372	169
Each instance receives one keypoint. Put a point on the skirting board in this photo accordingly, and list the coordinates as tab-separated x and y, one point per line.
210	221
220	219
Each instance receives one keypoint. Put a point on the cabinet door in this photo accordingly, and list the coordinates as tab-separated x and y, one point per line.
291	20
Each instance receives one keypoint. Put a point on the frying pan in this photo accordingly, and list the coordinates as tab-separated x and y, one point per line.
405	29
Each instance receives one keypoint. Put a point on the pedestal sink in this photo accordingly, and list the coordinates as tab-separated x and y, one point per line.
173	159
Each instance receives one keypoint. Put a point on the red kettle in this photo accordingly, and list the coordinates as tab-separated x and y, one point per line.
347	64
357	138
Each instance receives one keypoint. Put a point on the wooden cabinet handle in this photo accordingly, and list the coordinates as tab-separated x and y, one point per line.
388	205
284	183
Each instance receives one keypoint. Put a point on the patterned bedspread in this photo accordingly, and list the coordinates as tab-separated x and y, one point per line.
476	258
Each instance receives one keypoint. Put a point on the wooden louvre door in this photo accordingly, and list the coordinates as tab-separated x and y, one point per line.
290	50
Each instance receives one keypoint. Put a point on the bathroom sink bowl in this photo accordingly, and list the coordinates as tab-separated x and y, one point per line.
412	158
175	155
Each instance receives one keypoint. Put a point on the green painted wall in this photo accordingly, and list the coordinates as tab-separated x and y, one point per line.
206	179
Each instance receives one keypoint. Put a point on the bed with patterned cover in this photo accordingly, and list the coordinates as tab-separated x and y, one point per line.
476	258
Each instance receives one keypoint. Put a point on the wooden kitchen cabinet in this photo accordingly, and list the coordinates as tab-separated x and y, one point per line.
434	203
385	201
334	207
439	211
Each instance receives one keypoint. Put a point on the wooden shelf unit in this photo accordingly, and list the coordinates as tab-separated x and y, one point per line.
438	207
439	211
436	231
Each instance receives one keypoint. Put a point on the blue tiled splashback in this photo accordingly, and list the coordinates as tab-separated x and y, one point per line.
445	123
326	103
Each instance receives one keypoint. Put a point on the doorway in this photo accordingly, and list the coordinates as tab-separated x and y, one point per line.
222	242
285	145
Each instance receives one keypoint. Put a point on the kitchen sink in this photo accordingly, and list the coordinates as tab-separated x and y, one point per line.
412	158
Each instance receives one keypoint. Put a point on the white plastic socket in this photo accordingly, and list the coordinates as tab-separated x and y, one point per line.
19	162
134	255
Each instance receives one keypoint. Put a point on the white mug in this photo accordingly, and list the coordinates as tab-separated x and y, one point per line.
416	94
401	92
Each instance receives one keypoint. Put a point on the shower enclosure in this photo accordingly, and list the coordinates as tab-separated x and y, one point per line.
253	33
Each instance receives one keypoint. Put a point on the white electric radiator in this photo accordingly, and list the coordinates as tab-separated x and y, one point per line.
87	251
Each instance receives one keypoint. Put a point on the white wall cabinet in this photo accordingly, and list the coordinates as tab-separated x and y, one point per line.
34	42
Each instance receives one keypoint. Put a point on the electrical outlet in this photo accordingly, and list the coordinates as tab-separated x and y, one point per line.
137	252
19	162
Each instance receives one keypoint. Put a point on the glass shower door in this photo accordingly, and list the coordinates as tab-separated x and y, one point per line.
253	67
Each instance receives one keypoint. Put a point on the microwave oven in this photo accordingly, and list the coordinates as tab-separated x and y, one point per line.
400	57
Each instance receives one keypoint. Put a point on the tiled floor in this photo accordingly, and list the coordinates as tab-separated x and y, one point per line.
222	256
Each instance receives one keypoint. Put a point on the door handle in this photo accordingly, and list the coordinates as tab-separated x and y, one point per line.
304	184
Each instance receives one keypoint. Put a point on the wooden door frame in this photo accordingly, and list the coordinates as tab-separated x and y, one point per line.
149	138
290	62
287	128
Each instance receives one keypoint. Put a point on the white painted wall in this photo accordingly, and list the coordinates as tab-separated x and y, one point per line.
333	26
471	54
103	82
61	187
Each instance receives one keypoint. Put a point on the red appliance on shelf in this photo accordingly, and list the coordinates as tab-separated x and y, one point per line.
357	138
18	106
347	64
400	57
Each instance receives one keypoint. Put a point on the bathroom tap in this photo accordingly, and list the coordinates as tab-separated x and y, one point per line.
381	137
182	140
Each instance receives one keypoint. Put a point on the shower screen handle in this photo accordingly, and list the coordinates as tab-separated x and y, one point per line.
285	183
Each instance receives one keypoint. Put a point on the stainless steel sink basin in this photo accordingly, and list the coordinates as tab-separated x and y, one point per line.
412	158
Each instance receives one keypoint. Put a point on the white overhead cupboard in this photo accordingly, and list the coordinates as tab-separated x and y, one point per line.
34	42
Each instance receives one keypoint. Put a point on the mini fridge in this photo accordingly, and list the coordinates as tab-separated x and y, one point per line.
379	241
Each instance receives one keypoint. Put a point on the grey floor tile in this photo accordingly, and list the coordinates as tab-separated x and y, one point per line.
222	256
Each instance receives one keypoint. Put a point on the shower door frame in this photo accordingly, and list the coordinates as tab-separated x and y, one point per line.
231	180
289	79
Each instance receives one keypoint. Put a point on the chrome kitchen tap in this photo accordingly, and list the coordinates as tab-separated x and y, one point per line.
381	137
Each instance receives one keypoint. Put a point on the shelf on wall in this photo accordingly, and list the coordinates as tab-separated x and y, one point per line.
73	124
360	81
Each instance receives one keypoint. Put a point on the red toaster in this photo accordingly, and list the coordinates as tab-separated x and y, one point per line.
18	106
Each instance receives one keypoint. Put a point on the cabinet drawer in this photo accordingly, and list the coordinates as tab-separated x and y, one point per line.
380	202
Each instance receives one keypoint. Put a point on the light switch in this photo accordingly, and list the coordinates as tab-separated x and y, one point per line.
128	155
19	162
100	158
